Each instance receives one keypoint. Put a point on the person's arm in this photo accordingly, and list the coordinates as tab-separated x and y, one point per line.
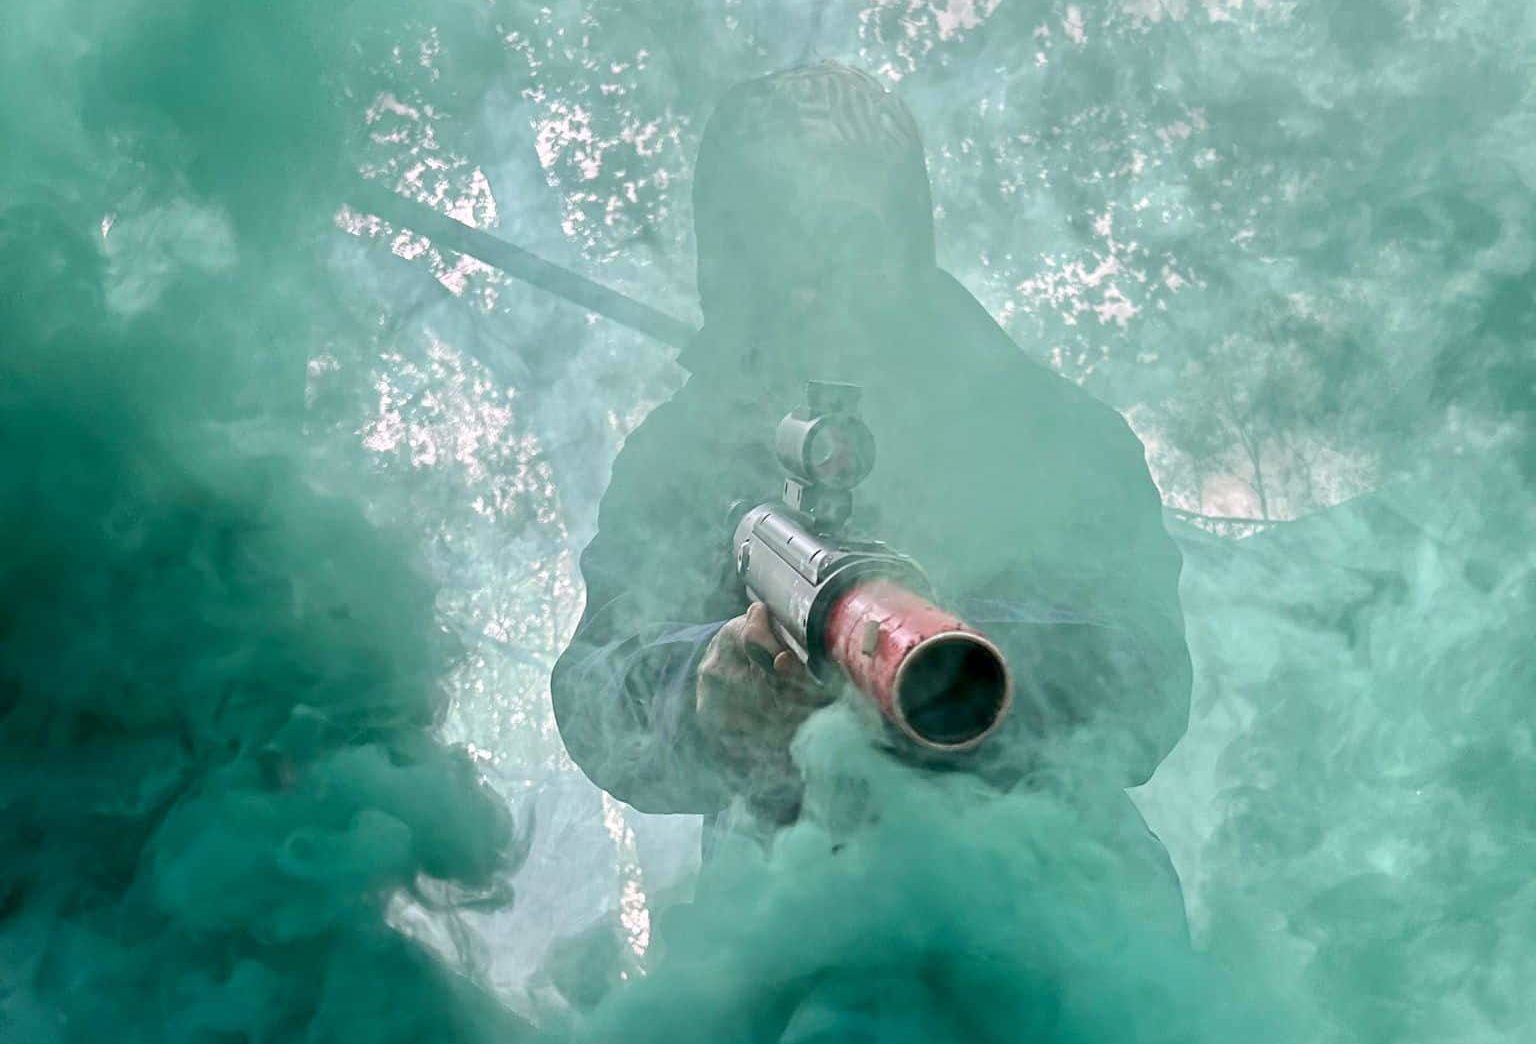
1117	682
1096	640
623	694
659	587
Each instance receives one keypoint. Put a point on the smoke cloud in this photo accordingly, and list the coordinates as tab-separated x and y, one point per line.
219	680
289	503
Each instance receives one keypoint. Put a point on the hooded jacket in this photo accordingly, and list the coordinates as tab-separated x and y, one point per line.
1027	502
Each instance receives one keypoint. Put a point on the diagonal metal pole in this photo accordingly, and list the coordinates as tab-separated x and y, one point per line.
444	231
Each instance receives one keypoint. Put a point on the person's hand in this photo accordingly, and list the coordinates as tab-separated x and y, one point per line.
753	695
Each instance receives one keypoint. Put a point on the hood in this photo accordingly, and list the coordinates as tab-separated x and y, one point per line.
812	177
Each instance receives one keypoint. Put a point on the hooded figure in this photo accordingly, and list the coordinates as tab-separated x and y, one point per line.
1027	501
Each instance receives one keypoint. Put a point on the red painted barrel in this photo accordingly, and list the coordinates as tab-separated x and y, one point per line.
941	682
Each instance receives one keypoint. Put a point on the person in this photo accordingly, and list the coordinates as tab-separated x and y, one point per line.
1027	501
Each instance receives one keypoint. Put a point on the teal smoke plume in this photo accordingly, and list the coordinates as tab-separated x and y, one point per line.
217	678
219	682
907	909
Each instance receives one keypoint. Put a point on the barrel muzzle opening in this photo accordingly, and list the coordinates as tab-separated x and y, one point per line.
952	691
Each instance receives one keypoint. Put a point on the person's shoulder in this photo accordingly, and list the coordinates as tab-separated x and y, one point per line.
682	440
675	417
1004	369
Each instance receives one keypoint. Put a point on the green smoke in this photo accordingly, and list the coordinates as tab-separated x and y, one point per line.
1292	240
219	682
904	908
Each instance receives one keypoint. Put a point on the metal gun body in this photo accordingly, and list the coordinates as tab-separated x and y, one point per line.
799	575
862	608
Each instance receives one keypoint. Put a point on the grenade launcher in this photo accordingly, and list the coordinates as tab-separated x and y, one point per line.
857	606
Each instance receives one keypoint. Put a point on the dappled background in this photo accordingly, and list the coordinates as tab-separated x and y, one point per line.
1291	241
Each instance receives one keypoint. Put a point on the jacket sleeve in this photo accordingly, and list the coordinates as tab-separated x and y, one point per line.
658	583
1095	638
